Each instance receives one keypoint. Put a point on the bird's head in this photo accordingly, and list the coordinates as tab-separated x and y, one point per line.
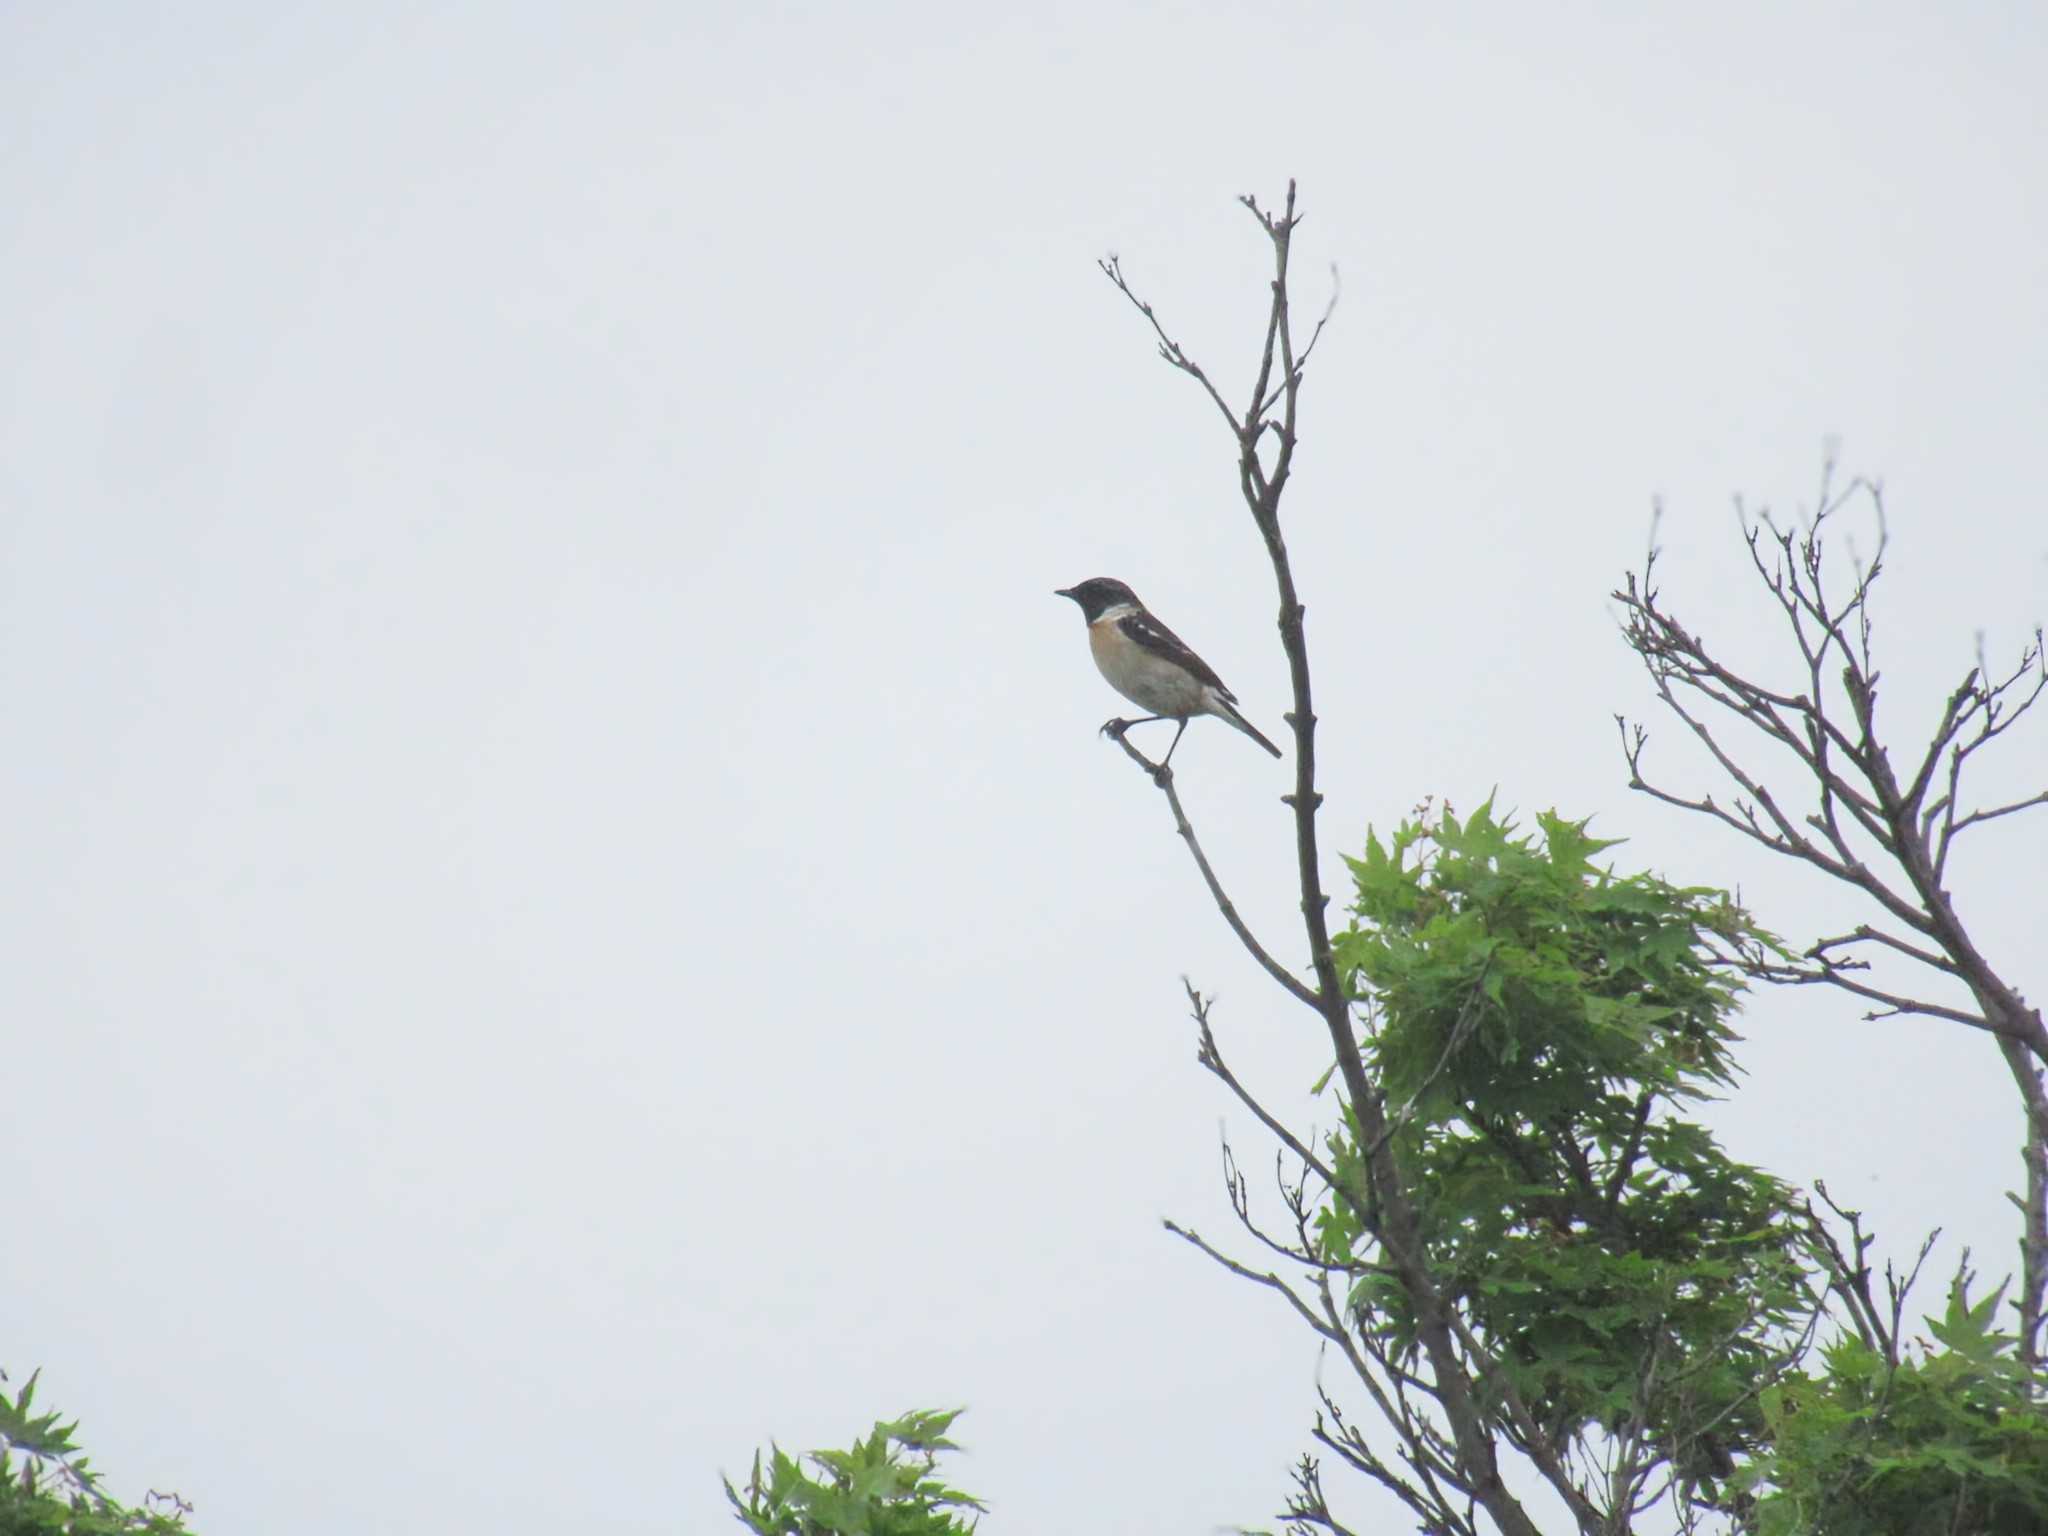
1098	594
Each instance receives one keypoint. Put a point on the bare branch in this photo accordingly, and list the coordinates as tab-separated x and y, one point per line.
1863	933
1835	973
1212	1059
1162	776
2004	810
1171	350
1913	835
1268	1279
1301	364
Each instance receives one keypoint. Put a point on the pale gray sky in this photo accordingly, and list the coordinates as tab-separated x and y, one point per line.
565	914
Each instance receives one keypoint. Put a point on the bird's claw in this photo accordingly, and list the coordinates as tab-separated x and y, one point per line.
1114	729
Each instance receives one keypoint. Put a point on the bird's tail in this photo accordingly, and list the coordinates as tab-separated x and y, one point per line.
1224	709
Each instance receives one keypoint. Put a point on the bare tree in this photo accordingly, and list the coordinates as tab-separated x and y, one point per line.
1881	827
1454	1409
1408	1313
1454	1451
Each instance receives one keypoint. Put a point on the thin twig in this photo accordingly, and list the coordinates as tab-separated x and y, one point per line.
1162	776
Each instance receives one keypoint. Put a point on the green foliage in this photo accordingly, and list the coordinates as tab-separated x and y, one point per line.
1539	1022
48	1487
883	1486
1954	1441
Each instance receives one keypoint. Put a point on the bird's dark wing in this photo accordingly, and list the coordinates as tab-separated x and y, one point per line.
1142	629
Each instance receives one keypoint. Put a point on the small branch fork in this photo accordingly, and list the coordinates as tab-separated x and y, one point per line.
1879	829
1453	1458
1848	1272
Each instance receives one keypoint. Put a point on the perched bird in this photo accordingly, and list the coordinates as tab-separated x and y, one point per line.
1150	665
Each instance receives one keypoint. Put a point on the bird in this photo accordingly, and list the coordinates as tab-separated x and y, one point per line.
1150	665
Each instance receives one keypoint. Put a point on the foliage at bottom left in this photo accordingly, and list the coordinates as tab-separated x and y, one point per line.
48	1486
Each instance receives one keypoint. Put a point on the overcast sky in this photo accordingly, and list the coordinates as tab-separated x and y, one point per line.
564	913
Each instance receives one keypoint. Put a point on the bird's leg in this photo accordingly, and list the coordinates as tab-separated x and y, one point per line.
1161	773
1114	729
1176	739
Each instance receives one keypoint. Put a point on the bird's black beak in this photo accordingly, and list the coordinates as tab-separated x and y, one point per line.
1064	592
